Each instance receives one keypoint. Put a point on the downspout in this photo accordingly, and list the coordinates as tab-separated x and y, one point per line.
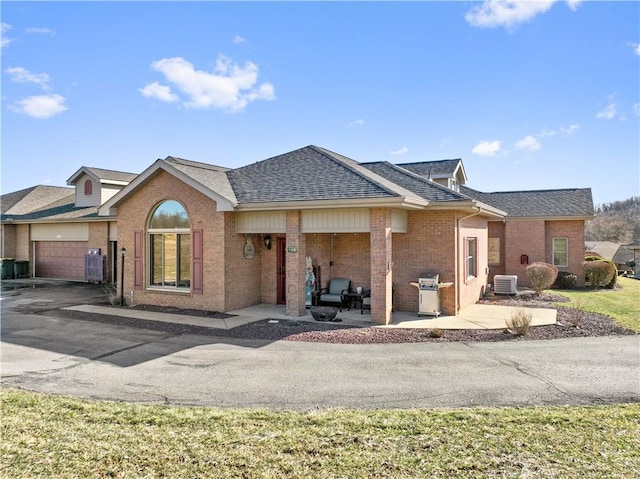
458	246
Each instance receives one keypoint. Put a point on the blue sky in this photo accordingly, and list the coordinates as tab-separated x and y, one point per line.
531	95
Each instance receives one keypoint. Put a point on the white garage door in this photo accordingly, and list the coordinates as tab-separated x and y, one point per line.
60	259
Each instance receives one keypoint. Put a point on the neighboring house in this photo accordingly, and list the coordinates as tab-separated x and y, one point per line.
207	237
621	255
53	227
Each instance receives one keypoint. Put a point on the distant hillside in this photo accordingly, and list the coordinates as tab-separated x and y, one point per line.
618	222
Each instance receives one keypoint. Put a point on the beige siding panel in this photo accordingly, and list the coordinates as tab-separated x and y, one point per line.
261	222
81	199
399	220
345	220
108	191
60	232
113	231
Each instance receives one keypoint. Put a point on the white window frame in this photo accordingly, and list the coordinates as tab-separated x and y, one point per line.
471	257
565	252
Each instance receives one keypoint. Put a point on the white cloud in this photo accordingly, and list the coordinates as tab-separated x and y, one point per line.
506	13
573	4
636	109
545	133
636	48
570	130
528	143
22	75
486	148
400	151
5	27
356	123
160	92
229	87
41	31
609	112
239	39
40	106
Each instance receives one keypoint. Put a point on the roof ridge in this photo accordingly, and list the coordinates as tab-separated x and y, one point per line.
195	164
427	180
338	159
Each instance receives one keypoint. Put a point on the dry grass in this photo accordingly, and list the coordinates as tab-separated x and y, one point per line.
520	322
51	437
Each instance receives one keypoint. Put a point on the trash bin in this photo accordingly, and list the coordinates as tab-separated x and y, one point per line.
21	269
7	268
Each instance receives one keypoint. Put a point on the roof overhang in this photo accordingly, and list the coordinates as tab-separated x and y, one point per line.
389	202
550	218
470	206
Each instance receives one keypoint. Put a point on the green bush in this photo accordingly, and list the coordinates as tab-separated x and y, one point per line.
601	273
566	280
541	275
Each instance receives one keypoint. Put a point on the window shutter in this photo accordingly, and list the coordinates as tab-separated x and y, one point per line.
137	259
196	269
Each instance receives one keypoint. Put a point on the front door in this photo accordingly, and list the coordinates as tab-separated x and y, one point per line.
282	271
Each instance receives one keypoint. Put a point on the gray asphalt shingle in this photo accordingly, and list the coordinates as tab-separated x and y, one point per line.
546	203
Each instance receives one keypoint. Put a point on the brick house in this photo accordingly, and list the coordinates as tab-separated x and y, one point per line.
207	237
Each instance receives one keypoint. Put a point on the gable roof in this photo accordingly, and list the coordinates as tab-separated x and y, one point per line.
103	176
566	203
210	180
437	169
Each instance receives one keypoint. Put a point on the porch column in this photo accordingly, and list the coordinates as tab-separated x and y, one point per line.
381	266
296	249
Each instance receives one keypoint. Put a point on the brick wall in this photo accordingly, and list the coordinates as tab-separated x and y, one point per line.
496	230
523	237
8	233
134	213
574	231
24	252
99	238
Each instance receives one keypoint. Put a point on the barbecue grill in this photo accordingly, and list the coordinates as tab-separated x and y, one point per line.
428	294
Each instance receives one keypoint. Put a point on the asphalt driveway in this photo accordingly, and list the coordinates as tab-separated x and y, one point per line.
44	351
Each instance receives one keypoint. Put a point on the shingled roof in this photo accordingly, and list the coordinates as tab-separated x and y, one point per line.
40	202
569	202
102	175
432	169
311	174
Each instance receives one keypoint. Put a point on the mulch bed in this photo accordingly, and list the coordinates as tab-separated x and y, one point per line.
572	323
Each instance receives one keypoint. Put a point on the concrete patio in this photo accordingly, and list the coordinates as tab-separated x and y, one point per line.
477	316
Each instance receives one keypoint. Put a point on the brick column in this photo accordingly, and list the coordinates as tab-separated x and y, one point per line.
381	266
296	249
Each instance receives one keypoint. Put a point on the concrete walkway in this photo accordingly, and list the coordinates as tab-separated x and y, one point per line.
477	316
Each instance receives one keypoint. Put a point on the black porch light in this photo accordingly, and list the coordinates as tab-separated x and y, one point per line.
267	242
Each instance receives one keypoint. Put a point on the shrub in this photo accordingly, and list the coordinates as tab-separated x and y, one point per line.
600	273
436	333
520	322
566	280
541	275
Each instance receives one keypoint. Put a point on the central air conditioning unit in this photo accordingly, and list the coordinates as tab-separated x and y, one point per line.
505	284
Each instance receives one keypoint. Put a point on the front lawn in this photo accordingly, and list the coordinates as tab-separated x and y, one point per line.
49	436
622	304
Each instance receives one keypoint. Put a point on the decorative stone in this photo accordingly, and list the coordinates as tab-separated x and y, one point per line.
324	313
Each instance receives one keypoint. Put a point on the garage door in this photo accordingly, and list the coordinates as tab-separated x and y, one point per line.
60	259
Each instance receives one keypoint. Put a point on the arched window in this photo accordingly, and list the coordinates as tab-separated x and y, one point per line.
170	246
88	188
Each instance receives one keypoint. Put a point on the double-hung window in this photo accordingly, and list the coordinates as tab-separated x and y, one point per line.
561	252
471	257
170	246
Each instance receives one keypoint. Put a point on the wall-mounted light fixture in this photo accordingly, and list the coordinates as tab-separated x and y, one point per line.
267	242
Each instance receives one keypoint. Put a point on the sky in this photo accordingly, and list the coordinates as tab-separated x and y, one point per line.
530	95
